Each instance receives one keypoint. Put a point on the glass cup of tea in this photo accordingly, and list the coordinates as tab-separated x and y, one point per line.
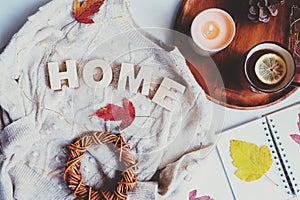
269	68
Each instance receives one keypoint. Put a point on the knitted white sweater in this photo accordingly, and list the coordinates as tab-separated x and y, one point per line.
38	123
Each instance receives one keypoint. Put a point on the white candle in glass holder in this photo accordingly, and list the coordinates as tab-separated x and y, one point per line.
212	30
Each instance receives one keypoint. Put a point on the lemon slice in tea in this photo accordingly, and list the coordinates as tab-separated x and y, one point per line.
270	68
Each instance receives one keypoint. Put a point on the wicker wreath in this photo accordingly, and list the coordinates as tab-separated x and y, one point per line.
73	176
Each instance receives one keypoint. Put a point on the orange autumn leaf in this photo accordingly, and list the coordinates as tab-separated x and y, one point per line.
84	10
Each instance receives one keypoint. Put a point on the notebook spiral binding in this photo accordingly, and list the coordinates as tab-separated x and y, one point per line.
280	158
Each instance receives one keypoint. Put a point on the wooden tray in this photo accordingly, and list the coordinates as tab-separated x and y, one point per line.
227	85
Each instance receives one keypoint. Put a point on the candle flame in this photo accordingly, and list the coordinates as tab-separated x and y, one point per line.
210	30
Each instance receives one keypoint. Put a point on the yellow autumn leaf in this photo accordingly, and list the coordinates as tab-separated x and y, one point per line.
251	161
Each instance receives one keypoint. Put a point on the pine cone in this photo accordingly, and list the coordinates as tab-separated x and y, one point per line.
262	10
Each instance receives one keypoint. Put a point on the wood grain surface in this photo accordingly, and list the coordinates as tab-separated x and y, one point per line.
222	75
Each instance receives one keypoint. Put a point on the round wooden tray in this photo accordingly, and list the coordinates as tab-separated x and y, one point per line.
225	84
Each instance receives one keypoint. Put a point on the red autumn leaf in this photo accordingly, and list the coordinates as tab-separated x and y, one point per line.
83	11
205	198
113	112
192	196
298	122
296	138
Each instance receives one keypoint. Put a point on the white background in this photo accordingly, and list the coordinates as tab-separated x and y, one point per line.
154	13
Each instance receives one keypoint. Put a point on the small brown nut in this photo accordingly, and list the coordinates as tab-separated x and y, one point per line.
253	10
273	10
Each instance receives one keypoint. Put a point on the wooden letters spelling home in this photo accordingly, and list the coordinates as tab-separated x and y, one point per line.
127	75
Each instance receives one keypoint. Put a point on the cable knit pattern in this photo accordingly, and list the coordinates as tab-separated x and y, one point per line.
18	134
39	123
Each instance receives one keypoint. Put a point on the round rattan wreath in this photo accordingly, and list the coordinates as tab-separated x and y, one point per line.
73	176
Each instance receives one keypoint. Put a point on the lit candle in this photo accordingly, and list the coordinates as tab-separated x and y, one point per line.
212	30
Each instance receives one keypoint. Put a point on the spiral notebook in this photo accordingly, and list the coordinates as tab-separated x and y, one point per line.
278	132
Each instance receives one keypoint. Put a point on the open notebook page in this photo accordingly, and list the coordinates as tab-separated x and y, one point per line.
272	184
209	179
284	124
